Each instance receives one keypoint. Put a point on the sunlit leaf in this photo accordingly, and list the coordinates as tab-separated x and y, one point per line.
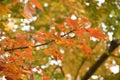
29	10
96	33
26	71
45	78
38	5
15	1
65	42
84	20
86	49
39	40
2	51
80	31
42	35
4	8
71	22
53	51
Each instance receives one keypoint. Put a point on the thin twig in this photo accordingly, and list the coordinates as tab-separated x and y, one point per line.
112	55
54	71
28	46
81	64
61	69
38	44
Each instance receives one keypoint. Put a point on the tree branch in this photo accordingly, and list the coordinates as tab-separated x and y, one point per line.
114	44
112	55
81	64
54	69
38	44
28	46
61	69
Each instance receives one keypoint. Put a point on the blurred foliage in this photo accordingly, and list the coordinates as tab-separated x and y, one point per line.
108	13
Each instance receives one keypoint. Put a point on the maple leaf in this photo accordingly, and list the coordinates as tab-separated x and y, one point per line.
1	51
64	42
71	22
28	53
47	51
18	53
39	40
96	33
15	1
84	20
4	8
80	31
60	27
43	35
29	11
37	4
26	71
17	59
21	39
86	49
53	51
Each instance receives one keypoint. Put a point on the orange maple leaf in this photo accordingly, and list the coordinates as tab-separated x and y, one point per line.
28	11
45	78
43	35
71	22
28	53
26	71
39	40
1	51
80	31
84	20
53	51
86	49
60	27
37	4
15	1
96	33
